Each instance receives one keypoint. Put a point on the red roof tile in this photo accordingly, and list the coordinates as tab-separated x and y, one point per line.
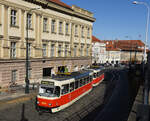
112	45
94	39
59	2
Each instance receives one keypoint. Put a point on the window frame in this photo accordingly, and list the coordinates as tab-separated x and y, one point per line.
59	50
67	28
45	24
13	17
13	76
73	85
44	50
68	90
52	50
29	21
29	49
60	27
13	50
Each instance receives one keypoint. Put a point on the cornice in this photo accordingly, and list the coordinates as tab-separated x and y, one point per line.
14	38
61	9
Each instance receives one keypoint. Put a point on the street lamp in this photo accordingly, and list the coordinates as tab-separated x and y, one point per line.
146	92
27	54
146	35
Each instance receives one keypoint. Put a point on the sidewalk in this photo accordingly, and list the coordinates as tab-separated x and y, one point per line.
138	100
12	98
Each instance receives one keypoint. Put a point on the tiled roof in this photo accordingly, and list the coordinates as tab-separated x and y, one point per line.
94	39
114	45
59	2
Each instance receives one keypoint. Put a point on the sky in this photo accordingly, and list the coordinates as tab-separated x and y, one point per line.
116	19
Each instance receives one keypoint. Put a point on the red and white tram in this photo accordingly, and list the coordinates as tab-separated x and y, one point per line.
58	93
98	76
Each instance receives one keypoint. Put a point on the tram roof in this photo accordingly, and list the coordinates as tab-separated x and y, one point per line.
76	75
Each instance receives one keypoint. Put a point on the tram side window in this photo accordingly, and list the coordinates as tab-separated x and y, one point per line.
94	75
76	84
81	82
71	86
84	81
88	79
57	91
65	89
97	74
91	78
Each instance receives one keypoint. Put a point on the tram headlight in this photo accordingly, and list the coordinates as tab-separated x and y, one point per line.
50	104
38	102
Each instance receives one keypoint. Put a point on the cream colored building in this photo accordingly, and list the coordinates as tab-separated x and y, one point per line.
59	35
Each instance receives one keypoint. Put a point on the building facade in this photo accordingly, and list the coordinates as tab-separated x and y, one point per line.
124	51
58	35
98	51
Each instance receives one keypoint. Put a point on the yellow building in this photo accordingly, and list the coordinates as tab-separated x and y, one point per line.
58	35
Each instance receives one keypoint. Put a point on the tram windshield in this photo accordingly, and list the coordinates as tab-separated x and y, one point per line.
49	91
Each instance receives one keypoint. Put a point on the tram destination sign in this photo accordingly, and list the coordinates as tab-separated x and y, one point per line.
47	83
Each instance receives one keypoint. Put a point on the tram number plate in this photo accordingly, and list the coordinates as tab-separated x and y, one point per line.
47	83
44	103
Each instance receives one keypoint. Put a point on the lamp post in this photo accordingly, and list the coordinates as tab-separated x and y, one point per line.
27	54
146	91
147	24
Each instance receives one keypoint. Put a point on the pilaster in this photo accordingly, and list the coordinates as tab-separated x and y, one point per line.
6	38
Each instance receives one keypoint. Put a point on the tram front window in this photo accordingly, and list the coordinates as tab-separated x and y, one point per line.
49	91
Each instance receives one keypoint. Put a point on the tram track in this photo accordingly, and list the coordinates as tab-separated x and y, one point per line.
97	102
76	112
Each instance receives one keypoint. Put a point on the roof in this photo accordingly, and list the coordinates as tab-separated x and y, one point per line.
94	39
59	2
116	45
76	75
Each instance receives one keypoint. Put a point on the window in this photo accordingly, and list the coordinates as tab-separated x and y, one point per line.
81	52
52	50
81	82
29	21
76	30
44	49
88	32
67	28
13	17
82	31
29	73
84	81
66	47
45	24
71	86
59	51
13	76
49	91
91	78
76	84
75	51
53	26
87	79
60	27
29	49
13	50
95	75
65	89
87	51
